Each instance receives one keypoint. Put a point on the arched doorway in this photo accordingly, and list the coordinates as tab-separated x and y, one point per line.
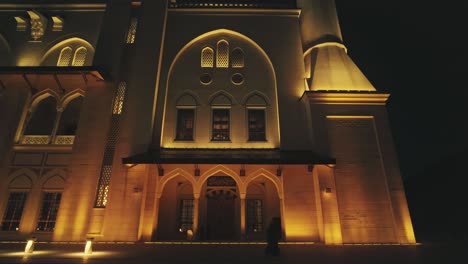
262	206
221	209
176	210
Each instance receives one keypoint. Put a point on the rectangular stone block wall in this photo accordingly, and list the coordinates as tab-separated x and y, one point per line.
363	199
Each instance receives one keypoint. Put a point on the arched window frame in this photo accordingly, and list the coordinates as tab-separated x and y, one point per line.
52	138
65	139
237	58
79	58
255	109
207	57
186	111
222	54
65	57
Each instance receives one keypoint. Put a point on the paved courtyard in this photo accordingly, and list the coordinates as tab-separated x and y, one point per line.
165	253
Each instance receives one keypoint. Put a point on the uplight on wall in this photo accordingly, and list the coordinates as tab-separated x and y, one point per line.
89	246
30	245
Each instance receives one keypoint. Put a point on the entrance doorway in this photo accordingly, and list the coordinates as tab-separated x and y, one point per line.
221	208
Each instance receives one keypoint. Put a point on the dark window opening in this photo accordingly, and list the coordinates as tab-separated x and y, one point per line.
43	118
14	211
49	210
185	122
221	123
254	221
186	214
256	125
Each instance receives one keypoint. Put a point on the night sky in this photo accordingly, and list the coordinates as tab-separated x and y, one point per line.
411	54
417	54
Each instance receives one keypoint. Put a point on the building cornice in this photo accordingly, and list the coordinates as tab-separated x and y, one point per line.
69	7
346	98
237	11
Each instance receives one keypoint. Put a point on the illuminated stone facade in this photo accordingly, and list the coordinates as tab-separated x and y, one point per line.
142	120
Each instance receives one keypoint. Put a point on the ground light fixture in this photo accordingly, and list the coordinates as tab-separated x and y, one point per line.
89	246
29	248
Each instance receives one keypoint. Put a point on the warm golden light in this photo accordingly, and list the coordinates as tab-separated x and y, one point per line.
88	247
29	246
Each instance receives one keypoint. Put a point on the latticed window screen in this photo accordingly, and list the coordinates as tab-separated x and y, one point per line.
119	98
49	210
131	34
237	58
106	169
185	124
80	56
207	58
186	214
222	54
256	124
65	57
14	211
221	123
254	215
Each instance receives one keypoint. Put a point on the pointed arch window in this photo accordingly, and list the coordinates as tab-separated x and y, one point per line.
222	54
14	211
256	106
65	57
80	56
41	124
49	210
68	124
207	58
237	58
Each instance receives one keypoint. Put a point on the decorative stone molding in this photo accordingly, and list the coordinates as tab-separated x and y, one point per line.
38	25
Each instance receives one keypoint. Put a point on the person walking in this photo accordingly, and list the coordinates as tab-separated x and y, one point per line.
273	237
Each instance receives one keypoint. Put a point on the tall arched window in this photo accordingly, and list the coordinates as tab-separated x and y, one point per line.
69	122
256	118
41	123
237	58
65	57
207	58
222	54
80	56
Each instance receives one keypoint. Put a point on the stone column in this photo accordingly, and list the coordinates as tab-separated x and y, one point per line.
196	206
242	215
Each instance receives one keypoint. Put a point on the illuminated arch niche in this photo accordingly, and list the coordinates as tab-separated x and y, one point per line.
227	48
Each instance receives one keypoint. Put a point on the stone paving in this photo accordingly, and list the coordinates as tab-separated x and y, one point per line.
227	253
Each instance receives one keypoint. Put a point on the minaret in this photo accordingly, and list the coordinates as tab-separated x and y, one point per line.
328	67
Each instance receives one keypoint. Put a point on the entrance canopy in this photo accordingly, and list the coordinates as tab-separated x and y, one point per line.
227	156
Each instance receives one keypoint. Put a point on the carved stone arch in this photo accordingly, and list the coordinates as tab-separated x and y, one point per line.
225	170
21	182
268	175
172	174
187	98
37	98
255	98
52	52
67	98
55	182
221	98
52	173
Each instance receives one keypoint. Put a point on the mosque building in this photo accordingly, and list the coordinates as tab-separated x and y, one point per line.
145	120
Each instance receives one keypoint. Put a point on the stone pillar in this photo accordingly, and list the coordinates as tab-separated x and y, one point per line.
242	216
154	234
196	206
